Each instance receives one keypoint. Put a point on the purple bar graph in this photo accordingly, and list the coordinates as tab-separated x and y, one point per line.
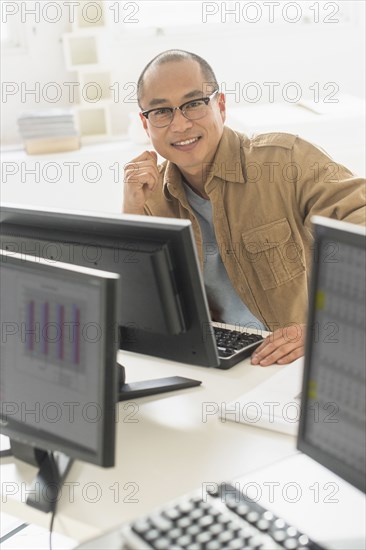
44	323
60	315
53	332
29	336
76	334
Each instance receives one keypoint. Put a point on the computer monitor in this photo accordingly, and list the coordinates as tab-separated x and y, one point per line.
162	309
58	378
333	421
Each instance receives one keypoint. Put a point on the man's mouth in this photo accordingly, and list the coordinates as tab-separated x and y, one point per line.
186	144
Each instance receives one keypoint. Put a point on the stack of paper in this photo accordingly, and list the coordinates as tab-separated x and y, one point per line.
49	131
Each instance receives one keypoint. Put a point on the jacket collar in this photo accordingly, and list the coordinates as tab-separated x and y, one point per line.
227	166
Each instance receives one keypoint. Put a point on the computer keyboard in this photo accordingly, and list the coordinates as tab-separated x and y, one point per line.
219	519
234	346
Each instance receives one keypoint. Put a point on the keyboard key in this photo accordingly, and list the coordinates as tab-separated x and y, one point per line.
204	537
172	513
176	533
213	545
186	507
303	540
252	517
193	530
247	531
213	491
152	535
255	542
291	532
206	521
216	529
161	523
184	541
290	544
163	544
263	524
235	544
142	525
224	519
226	536
196	514
279	535
184	522
280	523
242	509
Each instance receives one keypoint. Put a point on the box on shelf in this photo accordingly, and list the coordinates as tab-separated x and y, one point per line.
38	146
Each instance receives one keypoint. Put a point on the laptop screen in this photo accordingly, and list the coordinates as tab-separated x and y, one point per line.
332	425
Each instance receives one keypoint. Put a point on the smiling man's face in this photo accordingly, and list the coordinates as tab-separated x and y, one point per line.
190	144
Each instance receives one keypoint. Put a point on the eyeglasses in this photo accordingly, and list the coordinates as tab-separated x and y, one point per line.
192	110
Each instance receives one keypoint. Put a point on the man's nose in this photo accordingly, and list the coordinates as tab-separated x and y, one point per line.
180	122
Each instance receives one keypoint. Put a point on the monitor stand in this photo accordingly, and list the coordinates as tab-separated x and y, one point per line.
128	392
53	468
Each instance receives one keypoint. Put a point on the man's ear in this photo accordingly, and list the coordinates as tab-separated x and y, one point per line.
144	123
222	106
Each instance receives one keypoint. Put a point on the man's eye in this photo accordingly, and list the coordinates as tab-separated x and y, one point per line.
163	111
194	104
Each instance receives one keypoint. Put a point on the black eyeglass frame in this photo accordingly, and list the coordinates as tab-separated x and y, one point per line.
206	100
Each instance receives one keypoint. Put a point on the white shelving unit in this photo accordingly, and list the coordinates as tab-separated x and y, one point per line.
82	55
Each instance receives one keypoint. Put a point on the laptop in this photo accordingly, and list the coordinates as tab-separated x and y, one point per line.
316	498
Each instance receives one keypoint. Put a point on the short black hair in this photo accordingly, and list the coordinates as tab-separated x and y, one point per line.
177	55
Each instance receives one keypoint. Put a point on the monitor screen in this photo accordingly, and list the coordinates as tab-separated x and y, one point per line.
333	420
58	354
162	309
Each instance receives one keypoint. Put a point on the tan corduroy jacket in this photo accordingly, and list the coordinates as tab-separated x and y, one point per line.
263	192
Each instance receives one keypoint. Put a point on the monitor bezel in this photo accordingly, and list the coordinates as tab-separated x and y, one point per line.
23	433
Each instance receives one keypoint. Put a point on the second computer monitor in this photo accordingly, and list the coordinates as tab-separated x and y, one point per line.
333	424
58	355
163	310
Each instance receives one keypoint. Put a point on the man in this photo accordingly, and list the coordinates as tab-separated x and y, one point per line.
249	200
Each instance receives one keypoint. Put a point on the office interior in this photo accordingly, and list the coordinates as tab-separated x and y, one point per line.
294	67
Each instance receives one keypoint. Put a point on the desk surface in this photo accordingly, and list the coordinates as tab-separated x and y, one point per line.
166	446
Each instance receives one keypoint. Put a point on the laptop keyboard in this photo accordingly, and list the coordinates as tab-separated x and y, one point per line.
234	346
222	519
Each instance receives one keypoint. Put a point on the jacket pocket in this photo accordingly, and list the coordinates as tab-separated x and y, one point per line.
275	256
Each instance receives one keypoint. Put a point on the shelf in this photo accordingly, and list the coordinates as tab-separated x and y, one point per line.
89	15
80	51
93	121
95	86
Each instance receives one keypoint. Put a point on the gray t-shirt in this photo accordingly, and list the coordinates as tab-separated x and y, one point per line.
222	297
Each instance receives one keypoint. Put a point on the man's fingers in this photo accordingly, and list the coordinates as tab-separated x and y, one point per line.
295	354
154	155
144	175
269	340
141	175
279	353
283	343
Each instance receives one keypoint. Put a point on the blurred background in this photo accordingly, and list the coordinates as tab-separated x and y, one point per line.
69	73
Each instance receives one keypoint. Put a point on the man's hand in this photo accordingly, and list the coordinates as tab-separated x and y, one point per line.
140	178
283	346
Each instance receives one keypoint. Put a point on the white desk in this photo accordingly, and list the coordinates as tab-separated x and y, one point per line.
164	449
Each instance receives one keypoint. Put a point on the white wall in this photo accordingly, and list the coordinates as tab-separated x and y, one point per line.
239	52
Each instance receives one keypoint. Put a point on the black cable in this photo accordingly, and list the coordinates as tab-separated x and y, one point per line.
51	525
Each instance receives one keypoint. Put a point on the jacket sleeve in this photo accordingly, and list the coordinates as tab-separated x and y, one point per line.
326	188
